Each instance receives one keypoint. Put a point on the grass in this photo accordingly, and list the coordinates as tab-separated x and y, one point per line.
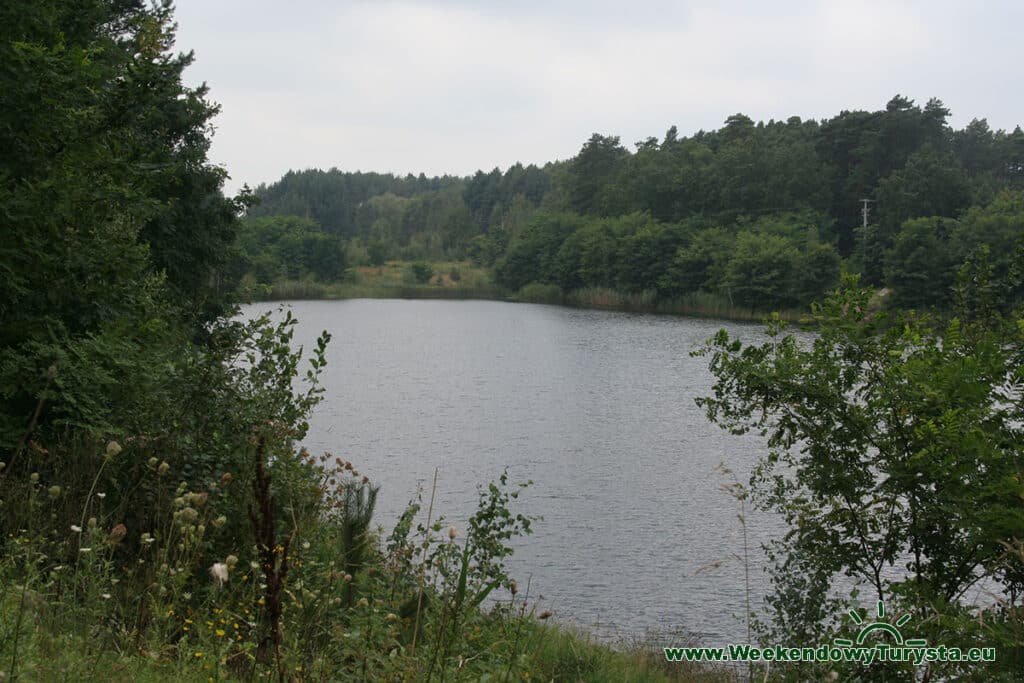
393	280
313	594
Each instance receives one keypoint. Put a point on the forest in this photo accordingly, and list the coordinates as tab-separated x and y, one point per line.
758	215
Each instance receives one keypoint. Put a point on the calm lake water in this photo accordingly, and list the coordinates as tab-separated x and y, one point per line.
596	407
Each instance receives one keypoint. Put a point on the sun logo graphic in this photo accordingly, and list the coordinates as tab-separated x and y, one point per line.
893	630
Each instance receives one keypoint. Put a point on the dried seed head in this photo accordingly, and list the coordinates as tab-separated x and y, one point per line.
117	534
163	469
113	449
219	572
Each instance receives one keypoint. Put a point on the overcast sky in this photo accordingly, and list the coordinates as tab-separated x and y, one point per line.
452	86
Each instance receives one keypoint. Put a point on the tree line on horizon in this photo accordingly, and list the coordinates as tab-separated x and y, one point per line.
763	215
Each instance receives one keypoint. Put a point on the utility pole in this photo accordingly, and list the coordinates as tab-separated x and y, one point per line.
865	211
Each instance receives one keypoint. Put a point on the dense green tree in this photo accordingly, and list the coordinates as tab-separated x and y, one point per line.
114	224
895	457
921	264
699	265
291	247
592	170
532	256
761	271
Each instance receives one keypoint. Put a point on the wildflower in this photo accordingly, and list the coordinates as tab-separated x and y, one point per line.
219	571
117	534
54	492
152	463
225	479
85	550
231	561
348	577
305	546
105	596
113	448
34	477
219	522
220	633
147	537
163	469
546	614
92	522
2	465
452	533
363	602
101	496
513	588
77	529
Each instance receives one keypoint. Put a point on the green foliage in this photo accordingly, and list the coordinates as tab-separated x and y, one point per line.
795	185
894	457
377	253
421	272
289	247
531	257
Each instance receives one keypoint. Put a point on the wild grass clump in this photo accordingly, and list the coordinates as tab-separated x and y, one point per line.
537	293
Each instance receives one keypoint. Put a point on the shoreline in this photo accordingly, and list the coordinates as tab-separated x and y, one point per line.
698	306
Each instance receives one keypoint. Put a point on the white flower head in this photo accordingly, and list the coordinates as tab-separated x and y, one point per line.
219	572
453	533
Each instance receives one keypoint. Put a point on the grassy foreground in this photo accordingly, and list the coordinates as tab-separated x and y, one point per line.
331	600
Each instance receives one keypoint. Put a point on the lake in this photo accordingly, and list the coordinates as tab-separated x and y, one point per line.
596	407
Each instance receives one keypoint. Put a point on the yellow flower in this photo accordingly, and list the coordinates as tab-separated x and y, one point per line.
220	633
198	654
